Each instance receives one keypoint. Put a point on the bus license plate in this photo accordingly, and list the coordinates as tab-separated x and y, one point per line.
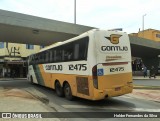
117	88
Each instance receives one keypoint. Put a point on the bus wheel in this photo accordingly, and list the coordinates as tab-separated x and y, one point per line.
68	92
58	88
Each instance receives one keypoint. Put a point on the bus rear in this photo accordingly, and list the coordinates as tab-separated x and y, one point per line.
112	73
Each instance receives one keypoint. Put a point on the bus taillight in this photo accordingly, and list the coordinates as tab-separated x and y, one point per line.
95	78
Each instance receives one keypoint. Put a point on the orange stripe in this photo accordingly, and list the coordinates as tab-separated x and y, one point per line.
114	63
46	76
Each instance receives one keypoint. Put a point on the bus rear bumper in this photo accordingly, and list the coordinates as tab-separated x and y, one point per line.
102	94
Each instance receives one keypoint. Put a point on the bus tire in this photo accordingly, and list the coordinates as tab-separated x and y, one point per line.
68	92
58	89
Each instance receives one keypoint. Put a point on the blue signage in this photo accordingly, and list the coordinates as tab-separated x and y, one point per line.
100	72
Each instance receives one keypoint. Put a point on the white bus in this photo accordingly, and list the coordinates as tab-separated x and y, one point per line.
94	65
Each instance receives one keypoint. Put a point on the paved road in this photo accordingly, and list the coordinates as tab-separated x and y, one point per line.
124	103
147	82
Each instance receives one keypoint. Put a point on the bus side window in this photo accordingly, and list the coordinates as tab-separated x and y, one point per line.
64	55
50	57
58	55
68	52
41	57
54	56
30	60
36	59
70	56
33	59
76	51
81	48
47	57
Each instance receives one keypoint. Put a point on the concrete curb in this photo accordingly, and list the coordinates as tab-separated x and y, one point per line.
146	78
147	87
13	78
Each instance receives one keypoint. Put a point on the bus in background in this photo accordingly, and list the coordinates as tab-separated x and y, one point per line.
94	65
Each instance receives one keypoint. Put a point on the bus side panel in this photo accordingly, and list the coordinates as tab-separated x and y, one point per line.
46	77
38	75
32	74
108	86
62	78
84	87
116	84
81	86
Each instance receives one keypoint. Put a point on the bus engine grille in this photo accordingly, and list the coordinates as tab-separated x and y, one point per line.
82	85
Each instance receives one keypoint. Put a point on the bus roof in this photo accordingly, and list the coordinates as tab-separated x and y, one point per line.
66	41
72	39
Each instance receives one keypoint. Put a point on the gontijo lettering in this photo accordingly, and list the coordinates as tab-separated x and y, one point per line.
114	48
54	67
